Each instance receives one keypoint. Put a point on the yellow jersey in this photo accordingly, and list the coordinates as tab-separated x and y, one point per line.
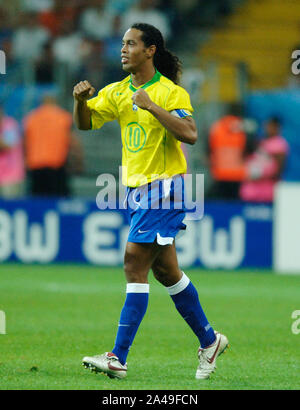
149	150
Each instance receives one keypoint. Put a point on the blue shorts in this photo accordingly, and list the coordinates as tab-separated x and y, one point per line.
156	211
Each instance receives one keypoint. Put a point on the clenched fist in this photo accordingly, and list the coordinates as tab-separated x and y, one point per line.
142	99
83	91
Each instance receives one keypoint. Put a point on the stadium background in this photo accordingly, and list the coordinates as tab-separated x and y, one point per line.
233	51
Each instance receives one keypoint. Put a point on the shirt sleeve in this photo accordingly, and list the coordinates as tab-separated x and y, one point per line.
180	102
278	146
103	109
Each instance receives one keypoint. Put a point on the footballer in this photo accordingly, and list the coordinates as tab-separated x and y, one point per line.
155	117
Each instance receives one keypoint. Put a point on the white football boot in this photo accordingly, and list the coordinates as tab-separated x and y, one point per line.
208	356
107	363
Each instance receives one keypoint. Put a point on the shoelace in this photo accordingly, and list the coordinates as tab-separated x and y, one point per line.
114	358
100	356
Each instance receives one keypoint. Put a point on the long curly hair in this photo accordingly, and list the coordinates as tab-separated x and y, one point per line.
165	62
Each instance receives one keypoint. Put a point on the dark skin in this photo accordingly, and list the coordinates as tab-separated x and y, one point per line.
273	129
137	59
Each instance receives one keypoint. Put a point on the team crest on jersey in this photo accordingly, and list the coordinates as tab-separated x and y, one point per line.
134	107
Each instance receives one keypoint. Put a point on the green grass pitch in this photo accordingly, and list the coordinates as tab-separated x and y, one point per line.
57	314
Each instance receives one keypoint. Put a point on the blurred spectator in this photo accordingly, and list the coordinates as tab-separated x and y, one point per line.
67	47
96	22
13	67
186	7
28	40
94	67
203	13
146	11
113	43
265	165
117	7
61	11
36	5
11	158
6	33
6	30
48	139
44	67
192	79
113	70
227	144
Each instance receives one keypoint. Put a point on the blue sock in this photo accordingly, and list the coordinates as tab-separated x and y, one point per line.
185	297
132	314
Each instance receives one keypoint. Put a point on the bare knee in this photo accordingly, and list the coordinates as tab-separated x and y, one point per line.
134	271
166	277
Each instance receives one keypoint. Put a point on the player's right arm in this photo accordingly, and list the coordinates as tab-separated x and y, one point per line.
81	112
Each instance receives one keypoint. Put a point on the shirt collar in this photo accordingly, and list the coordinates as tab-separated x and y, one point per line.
153	80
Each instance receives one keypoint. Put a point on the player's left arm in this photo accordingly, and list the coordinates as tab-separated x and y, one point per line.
183	129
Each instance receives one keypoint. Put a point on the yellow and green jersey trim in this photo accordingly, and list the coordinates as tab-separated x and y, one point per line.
154	79
149	150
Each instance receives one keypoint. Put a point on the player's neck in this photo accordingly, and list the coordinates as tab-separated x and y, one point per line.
142	76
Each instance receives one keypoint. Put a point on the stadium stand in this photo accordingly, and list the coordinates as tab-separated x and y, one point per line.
260	34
